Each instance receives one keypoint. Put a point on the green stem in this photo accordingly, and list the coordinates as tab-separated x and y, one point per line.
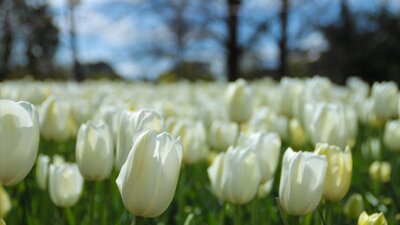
254	211
140	220
238	215
70	216
322	216
92	195
284	219
181	195
222	215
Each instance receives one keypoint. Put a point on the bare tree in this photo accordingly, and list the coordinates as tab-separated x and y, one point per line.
77	73
284	11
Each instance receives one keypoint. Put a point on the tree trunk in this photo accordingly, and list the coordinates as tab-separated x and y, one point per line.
78	75
233	49
283	52
7	43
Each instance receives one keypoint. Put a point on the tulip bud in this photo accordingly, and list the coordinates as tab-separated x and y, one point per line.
338	171
380	171
354	206
5	203
239	101
374	219
235	175
42	171
2	222
267	147
131	125
302	182
65	184
94	151
56	121
148	179
19	140
385	99
194	141
222	135
391	137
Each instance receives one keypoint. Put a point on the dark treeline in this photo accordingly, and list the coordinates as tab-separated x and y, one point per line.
365	43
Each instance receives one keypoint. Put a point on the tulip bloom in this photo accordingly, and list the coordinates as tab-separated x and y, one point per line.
267	147
222	135
131	125
239	101
338	173
193	135
235	175
374	219
42	171
148	179
94	151
19	140
302	182
65	184
391	137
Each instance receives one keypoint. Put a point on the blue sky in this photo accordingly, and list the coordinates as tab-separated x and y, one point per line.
106	32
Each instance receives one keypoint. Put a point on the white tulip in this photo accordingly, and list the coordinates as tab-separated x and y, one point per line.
385	98
338	172
267	147
215	173
110	115
131	125
65	184
391	136
56	121
291	89
148	179
5	203
193	135
239	101
302	182
222	135
42	171
19	140
235	175
266	120
265	188
94	151
334	124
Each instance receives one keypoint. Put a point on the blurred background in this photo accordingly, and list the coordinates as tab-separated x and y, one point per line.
168	40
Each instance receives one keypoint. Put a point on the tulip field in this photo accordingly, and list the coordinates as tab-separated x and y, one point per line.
295	151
